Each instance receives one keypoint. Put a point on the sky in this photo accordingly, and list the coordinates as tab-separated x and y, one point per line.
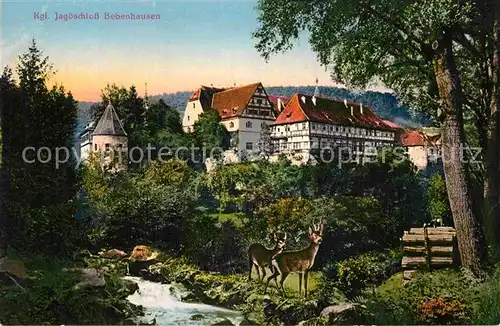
192	43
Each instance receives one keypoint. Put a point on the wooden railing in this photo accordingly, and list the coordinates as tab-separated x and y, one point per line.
428	248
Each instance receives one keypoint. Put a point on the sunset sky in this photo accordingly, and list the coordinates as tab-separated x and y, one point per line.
193	43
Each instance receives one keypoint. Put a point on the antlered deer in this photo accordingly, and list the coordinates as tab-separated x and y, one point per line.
298	261
261	257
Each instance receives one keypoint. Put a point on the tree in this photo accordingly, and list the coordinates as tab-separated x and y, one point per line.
408	45
210	134
38	117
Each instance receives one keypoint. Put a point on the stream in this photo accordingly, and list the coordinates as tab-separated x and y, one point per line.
164	305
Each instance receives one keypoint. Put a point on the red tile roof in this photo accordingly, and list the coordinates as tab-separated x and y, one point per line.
392	125
274	101
204	94
232	102
301	108
418	138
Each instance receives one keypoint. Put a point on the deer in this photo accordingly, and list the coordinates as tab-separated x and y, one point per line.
297	261
261	257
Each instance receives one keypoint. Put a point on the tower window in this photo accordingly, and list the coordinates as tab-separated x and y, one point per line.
194	105
189	118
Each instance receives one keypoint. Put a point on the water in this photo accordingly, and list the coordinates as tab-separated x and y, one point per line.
166	307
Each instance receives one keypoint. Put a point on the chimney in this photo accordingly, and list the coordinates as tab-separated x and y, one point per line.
361	108
303	98
352	110
314	100
280	105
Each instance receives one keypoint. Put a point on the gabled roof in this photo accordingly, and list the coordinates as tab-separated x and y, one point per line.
232	102
301	108
419	138
109	124
205	94
274	101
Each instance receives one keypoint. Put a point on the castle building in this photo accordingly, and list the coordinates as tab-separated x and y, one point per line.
108	135
244	111
309	125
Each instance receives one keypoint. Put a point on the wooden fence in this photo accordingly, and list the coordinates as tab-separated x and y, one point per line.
428	248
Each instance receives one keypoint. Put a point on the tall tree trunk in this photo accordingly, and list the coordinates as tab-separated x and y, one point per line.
469	234
492	182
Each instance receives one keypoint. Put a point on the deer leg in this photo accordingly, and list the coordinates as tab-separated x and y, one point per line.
250	264
258	271
273	276
306	276
263	274
283	278
300	284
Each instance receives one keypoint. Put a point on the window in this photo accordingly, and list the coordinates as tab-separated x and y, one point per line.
249	146
231	124
304	126
107	146
95	146
258	101
189	118
253	112
263	125
119	147
313	126
249	124
194	105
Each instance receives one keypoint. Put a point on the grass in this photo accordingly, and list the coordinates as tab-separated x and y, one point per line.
292	281
235	218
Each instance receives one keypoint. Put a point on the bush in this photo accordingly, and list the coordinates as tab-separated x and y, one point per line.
441	311
439	294
353	275
487	310
53	230
139	212
216	246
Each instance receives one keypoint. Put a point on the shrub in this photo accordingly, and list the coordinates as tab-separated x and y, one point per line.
215	246
394	303
135	212
441	311
353	275
53	230
487	310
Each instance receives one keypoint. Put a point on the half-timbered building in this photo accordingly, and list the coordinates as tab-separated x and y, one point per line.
309	125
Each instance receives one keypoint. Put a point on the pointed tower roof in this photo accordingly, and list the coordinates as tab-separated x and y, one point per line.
316	89
109	124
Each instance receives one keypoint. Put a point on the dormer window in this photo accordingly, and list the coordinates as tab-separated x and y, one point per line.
235	109
224	112
288	115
